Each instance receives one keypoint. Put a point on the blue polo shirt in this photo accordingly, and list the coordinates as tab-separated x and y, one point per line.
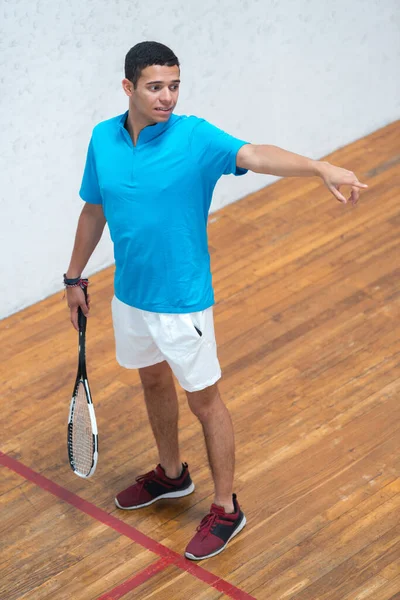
156	197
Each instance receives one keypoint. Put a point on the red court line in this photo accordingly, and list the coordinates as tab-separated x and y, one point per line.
130	584
124	529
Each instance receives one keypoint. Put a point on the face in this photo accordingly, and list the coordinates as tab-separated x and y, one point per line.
156	93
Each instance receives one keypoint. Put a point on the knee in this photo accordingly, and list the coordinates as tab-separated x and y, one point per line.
204	402
156	377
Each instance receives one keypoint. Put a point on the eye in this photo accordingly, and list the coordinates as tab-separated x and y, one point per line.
174	87
154	88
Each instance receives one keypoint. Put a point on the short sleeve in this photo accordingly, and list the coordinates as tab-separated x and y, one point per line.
90	190
216	149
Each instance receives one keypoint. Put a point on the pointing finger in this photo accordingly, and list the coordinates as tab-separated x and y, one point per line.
358	184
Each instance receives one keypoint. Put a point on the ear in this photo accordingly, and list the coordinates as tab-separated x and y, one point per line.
127	87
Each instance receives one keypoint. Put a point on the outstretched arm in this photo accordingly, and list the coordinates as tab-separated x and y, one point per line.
272	160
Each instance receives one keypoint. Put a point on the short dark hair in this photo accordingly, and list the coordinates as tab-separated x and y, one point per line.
144	55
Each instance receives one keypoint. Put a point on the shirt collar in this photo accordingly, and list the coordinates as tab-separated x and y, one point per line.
151	131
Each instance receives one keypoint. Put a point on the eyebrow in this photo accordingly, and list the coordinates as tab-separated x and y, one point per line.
173	81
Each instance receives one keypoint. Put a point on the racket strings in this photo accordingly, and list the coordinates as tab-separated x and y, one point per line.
82	435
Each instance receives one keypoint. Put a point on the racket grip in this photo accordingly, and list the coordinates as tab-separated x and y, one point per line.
81	317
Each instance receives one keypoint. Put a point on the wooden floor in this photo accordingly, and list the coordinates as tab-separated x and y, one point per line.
308	326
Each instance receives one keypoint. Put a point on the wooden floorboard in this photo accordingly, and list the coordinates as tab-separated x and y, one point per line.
307	324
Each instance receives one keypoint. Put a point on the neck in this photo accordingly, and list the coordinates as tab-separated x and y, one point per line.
134	124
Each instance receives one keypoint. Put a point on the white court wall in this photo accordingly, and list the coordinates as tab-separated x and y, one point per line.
307	75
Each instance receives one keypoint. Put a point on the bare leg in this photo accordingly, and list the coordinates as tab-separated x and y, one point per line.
219	437
163	411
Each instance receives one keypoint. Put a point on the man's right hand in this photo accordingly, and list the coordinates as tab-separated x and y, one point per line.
76	299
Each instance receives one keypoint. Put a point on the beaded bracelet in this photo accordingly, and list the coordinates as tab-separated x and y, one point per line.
76	282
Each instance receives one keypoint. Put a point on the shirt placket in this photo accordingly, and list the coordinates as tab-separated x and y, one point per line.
134	156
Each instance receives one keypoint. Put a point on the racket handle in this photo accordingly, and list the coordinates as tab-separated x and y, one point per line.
81	317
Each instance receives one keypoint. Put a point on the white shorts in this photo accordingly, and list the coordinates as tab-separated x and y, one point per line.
186	341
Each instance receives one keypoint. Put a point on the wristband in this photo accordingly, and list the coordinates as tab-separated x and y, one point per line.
76	282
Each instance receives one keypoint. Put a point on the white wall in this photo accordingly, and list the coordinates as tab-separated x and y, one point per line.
308	75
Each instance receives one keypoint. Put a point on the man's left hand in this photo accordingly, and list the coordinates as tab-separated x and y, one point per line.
334	177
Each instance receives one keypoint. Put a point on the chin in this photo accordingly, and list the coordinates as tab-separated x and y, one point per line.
162	116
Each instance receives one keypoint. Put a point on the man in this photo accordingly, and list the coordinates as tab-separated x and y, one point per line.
150	175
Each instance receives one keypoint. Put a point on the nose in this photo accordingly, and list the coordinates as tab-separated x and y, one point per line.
166	96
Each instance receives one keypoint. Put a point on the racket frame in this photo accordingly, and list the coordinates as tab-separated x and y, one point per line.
81	377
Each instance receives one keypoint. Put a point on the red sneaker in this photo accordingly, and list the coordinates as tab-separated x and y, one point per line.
154	486
215	531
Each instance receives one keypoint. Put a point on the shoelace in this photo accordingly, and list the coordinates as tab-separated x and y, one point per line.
143	479
207	523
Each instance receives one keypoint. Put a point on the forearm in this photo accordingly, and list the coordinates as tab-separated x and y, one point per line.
276	161
89	231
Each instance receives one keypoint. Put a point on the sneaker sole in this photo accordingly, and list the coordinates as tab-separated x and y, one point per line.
238	530
178	494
